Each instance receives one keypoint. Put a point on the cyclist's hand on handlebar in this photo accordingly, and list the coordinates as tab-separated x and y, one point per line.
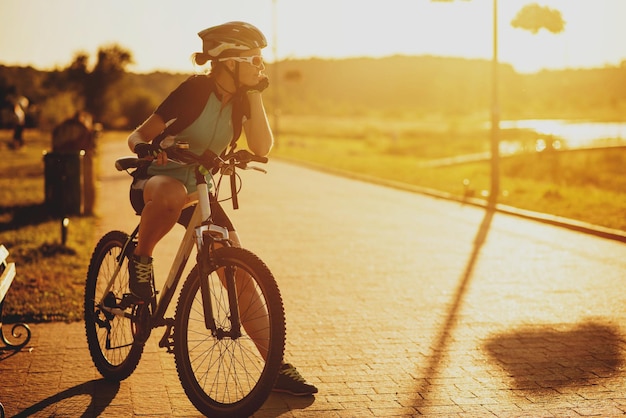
145	150
151	151
245	156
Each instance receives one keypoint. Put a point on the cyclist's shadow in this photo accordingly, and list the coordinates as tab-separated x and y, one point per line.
71	402
102	392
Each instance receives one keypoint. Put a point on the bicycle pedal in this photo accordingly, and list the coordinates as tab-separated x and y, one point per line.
109	302
129	300
167	341
141	323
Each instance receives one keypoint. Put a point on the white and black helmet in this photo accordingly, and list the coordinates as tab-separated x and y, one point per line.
231	36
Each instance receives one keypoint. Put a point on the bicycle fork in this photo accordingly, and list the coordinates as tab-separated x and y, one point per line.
206	236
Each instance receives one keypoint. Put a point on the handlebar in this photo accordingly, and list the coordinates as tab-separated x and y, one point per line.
205	163
209	160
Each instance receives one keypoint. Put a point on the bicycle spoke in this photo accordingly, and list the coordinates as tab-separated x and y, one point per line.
224	372
109	336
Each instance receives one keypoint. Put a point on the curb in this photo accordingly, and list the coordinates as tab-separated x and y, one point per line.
584	227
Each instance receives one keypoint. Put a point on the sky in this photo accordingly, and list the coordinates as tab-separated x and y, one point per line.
162	34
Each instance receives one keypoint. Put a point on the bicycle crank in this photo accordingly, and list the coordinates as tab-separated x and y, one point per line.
141	322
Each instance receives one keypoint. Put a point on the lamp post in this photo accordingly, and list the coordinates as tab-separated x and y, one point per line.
533	18
495	115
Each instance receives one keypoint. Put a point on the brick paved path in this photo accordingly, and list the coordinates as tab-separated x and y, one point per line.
397	305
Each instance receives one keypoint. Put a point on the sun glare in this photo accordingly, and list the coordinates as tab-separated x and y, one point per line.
349	28
323	29
357	28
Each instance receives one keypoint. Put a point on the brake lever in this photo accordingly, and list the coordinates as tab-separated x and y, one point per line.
262	170
246	166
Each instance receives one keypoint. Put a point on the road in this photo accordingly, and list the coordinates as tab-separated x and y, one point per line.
397	304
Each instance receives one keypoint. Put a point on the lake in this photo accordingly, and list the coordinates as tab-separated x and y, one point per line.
571	134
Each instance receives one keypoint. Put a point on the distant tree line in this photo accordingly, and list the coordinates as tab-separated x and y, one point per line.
398	87
405	86
105	89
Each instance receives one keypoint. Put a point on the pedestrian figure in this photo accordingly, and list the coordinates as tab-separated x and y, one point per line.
19	110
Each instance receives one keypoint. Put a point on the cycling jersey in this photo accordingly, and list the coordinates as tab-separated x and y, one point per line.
194	114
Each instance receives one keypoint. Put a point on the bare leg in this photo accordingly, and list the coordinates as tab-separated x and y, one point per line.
256	325
254	314
164	197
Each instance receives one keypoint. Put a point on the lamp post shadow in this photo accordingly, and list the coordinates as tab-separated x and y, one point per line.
439	350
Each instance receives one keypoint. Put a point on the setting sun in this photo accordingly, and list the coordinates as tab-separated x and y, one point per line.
460	29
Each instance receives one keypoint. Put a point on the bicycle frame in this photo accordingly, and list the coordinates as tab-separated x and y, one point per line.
201	231
199	228
227	355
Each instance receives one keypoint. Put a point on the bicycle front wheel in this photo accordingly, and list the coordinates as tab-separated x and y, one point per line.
110	337
226	373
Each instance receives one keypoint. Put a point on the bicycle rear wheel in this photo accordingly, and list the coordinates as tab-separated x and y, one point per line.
110	337
225	375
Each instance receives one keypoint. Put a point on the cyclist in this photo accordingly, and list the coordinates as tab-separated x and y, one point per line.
207	111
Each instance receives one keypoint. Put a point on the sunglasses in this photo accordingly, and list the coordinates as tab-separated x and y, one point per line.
255	60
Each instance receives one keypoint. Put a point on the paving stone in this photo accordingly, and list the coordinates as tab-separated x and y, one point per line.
397	304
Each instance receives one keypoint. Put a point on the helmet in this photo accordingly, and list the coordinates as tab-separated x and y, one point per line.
240	36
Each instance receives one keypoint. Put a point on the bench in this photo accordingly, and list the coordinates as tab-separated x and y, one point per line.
7	274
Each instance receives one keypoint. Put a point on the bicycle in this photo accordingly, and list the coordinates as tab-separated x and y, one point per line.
229	292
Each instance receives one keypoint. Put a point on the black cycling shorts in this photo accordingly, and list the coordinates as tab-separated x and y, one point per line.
217	212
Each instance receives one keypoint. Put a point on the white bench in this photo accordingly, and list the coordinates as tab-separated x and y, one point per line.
7	274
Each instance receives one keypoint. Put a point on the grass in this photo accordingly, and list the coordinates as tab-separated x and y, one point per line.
50	276
583	185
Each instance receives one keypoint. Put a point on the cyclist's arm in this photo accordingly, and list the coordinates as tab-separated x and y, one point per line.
147	131
257	127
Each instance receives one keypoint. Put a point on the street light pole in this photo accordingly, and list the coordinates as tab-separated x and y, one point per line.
495	115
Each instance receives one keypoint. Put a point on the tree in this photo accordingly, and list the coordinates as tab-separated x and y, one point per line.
534	17
71	80
88	88
76	74
110	68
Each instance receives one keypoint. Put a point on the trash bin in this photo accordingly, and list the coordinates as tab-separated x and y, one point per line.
63	182
78	135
